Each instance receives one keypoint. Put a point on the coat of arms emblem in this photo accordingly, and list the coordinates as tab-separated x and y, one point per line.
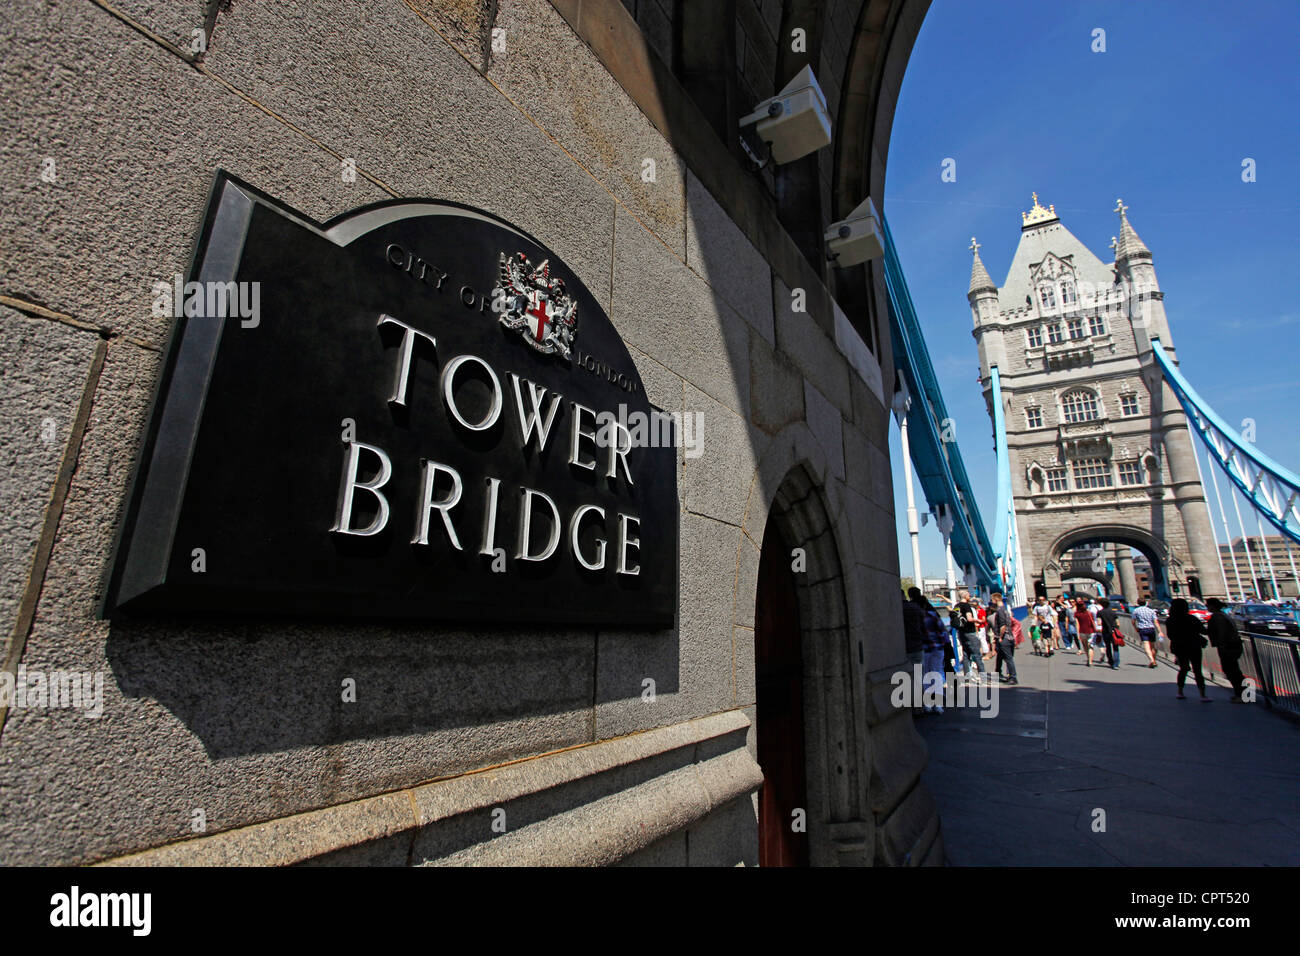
535	305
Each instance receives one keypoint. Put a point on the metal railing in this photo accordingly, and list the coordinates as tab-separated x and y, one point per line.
1270	661
1273	663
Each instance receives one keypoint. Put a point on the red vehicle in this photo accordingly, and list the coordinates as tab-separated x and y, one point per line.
1198	610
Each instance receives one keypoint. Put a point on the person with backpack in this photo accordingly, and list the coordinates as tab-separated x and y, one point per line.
1002	628
1186	641
1227	641
935	645
967	626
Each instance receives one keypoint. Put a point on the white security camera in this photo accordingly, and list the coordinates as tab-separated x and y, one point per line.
796	121
857	238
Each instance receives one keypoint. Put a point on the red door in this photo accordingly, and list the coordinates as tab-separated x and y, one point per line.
778	666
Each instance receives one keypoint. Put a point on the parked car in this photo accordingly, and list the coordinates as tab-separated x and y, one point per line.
1263	619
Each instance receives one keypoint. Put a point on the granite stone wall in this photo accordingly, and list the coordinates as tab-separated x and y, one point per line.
227	741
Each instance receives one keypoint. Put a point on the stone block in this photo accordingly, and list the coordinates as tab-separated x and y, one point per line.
775	389
746	581
718	481
897	759
885	599
800	338
746	686
858	464
668	851
727	260
904	835
466	24
824	420
349	85
173	21
691	665
75	67
673	316
555	78
45	365
726	837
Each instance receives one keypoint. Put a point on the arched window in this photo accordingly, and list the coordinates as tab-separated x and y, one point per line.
1079	406
1047	297
1067	293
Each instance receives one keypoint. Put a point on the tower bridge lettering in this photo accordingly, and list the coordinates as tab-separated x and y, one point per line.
535	417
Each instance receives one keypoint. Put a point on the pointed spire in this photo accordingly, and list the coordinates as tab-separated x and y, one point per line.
1128	246
980	280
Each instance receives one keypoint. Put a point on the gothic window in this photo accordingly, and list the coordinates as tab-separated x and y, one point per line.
1076	328
1128	405
1034	417
1034	336
1056	480
1079	406
1054	333
1092	473
1067	293
1097	325
1047	297
1130	473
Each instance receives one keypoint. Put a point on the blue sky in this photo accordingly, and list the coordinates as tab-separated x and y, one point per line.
1185	91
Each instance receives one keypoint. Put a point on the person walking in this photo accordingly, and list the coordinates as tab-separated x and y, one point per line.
1065	621
934	644
1110	633
1002	634
967	625
1147	623
914	637
1045	619
981	626
1186	641
1087	628
1227	641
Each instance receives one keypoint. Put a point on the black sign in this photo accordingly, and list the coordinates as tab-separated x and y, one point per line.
412	411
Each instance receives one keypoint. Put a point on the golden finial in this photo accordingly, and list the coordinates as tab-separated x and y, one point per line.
1038	213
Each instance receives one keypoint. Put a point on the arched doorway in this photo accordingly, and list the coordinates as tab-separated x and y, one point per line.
1163	584
778	673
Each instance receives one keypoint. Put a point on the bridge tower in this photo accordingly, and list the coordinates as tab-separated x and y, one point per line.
1101	455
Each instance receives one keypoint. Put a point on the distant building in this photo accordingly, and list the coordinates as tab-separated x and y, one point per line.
1243	553
1101	455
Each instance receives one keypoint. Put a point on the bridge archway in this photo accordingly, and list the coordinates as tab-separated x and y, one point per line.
1103	579
1154	549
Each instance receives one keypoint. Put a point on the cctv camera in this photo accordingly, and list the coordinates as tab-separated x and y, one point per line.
857	238
795	122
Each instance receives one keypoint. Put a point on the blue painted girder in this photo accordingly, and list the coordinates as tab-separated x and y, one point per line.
938	463
1274	491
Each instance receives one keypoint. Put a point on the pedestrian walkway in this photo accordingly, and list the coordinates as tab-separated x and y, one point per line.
1178	782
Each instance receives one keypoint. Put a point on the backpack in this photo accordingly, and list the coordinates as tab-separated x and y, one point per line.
1017	631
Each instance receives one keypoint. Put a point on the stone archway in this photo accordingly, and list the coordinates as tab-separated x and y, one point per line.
1102	579
799	518
1156	550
